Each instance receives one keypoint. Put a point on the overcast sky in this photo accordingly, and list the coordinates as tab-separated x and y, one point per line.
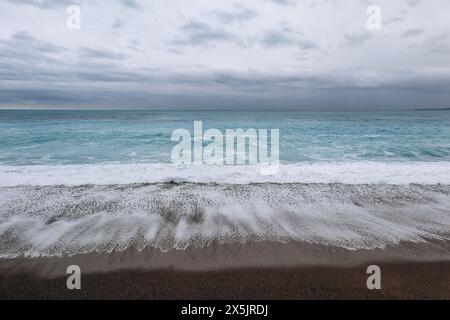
218	54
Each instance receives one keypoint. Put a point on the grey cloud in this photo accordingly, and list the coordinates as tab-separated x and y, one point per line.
48	4
37	83
24	58
118	23
438	43
24	38
89	53
22	47
245	91
357	38
412	33
275	39
283	2
197	33
71	83
413	3
286	37
43	4
393	20
237	14
130	3
37	72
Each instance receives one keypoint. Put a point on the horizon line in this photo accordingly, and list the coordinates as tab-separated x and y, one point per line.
212	109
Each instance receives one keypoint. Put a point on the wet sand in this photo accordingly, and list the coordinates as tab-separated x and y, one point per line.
399	281
236	271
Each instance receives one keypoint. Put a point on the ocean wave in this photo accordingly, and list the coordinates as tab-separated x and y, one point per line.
333	172
68	220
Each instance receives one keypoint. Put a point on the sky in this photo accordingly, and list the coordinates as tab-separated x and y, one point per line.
225	54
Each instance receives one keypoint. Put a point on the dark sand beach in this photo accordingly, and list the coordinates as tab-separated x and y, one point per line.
250	271
400	281
197	251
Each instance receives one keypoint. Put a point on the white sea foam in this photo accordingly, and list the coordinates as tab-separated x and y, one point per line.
61	220
106	174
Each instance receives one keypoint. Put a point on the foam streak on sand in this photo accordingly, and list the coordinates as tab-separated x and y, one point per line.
67	220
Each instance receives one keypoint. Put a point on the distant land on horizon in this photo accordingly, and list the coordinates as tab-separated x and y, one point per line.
432	109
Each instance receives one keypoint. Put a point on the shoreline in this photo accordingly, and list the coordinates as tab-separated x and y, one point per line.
254	271
230	255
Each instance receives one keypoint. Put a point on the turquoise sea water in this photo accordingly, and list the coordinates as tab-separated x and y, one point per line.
74	182
93	137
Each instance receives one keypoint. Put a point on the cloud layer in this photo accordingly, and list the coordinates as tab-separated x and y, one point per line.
257	54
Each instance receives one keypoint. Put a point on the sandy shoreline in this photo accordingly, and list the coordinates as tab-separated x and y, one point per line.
399	281
263	270
230	255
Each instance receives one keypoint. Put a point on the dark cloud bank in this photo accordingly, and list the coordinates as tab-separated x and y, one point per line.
36	73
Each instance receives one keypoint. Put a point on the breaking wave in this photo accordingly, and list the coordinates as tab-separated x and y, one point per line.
334	172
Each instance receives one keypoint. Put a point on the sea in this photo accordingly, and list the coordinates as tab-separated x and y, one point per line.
79	181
